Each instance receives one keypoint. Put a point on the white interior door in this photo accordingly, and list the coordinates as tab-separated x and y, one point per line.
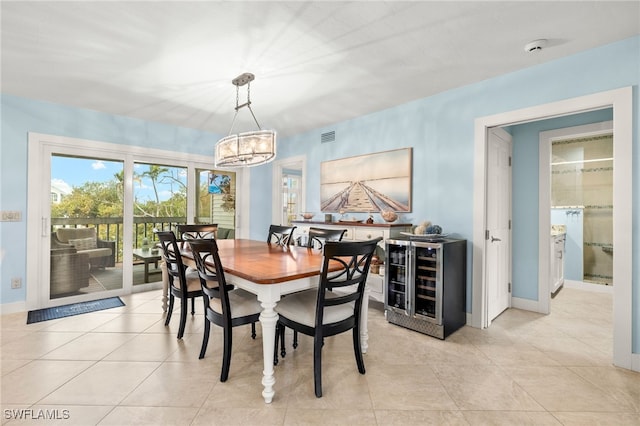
498	235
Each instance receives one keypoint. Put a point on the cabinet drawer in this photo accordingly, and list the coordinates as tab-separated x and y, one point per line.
368	234
348	236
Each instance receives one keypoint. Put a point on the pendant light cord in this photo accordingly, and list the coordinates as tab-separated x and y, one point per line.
246	104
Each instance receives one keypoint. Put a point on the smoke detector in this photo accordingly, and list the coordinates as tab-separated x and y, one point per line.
535	45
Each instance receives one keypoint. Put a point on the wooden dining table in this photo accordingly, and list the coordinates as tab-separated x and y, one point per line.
270	271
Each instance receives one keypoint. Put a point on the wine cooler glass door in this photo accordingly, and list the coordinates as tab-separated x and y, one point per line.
396	278
427	282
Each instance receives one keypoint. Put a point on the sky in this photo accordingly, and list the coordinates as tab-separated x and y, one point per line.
69	172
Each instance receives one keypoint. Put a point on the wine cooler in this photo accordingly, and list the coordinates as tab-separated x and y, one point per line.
425	285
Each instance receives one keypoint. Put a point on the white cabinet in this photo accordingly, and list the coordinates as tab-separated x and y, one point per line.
556	264
359	232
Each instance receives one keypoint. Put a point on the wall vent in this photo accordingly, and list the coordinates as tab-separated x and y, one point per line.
328	137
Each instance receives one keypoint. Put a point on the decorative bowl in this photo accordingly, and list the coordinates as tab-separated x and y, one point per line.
389	216
307	216
350	220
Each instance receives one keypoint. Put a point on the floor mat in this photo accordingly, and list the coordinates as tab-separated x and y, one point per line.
73	309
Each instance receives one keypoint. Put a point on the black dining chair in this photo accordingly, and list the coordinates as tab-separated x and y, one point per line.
280	235
224	306
183	284
316	239
202	232
197	231
318	236
335	306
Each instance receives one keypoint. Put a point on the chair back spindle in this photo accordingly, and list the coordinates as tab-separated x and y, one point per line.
197	232
280	235
319	236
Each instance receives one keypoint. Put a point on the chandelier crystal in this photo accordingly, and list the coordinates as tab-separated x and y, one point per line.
248	148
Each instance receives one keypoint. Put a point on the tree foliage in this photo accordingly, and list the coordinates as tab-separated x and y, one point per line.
92	199
105	199
175	206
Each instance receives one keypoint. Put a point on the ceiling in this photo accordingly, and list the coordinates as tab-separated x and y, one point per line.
316	63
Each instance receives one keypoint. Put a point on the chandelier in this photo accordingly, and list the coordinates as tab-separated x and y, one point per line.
248	148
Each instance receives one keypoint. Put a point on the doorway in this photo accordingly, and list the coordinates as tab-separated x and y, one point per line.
581	200
86	198
288	190
621	101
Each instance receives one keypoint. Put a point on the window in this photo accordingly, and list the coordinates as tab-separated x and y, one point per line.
142	197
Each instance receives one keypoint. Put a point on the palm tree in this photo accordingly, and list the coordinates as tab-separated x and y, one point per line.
154	173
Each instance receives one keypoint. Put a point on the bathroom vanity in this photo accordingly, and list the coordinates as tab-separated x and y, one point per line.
556	263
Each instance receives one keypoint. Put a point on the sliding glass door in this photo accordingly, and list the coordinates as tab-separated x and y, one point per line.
86	211
93	208
159	203
216	199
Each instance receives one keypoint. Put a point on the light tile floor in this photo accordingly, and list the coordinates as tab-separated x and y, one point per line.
122	366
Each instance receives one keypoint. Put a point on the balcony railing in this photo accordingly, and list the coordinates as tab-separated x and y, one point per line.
111	228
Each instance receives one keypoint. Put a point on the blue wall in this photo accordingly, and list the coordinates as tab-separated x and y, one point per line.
574	240
20	116
439	128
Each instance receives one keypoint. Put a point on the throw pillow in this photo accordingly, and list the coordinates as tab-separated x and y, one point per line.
84	243
223	233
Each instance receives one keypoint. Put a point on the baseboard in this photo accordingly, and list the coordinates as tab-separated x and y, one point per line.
635	362
12	308
375	304
596	288
525	304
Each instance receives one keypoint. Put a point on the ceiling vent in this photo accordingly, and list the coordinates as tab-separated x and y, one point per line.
328	137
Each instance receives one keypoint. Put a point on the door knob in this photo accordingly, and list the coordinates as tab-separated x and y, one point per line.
493	239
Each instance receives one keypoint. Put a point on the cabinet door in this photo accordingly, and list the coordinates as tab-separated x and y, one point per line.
300	234
362	234
396	278
428	283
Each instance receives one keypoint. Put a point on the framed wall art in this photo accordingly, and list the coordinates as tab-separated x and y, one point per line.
367	183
